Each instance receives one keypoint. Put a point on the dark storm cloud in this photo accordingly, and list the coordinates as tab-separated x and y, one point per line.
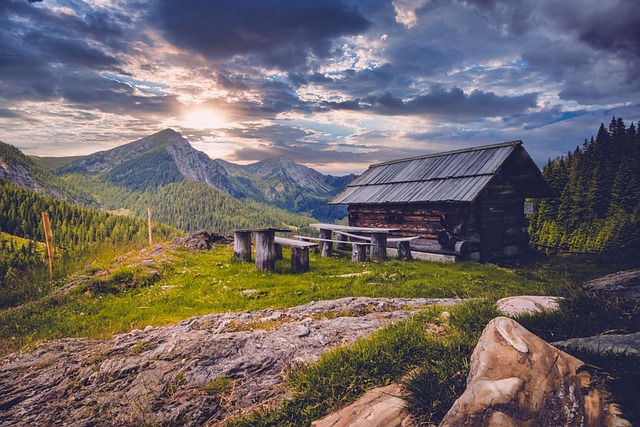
281	32
440	102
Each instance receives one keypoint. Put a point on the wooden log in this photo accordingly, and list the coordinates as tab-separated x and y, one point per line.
459	230
404	250
327	247
265	251
446	239
242	246
277	250
299	260
359	252
462	247
378	248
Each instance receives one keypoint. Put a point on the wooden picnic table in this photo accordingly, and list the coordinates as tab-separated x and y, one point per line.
378	248
265	248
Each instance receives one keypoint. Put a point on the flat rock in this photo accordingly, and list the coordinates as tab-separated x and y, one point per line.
159	376
618	343
517	379
378	407
527	304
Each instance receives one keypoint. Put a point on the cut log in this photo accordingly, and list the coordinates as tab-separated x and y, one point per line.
378	246
359	252
459	230
265	252
242	246
462	247
299	260
446	239
404	250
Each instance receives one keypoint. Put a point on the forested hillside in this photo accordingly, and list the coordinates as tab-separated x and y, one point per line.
597	207
77	233
188	205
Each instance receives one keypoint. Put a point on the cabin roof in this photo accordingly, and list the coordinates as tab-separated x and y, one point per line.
452	176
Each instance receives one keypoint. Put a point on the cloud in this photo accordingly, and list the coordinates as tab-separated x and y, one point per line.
282	33
440	102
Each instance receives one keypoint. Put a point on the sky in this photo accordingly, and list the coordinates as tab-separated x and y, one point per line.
334	84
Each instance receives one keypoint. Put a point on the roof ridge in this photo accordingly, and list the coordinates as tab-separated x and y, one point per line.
446	153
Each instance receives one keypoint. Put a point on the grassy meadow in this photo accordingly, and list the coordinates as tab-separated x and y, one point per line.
122	292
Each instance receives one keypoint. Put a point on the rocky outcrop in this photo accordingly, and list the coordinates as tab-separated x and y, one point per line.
197	372
378	407
517	379
621	285
616	343
527	304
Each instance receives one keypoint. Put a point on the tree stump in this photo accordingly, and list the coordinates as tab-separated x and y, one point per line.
404	250
242	246
327	247
265	251
378	246
359	252
299	260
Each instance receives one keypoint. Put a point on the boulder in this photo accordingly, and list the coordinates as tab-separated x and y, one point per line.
517	379
378	407
201	240
527	304
617	343
622	285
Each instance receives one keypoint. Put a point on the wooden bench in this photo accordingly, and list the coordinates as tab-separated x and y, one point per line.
358	251
403	243
299	252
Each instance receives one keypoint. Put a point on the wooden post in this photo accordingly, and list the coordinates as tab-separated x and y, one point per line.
359	252
277	250
299	260
327	247
265	251
378	246
149	226
48	235
341	246
404	250
242	246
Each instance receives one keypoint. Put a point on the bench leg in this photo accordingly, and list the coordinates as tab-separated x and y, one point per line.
299	260
327	247
404	250
242	246
359	253
278	250
342	246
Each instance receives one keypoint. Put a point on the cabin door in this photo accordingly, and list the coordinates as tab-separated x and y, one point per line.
491	241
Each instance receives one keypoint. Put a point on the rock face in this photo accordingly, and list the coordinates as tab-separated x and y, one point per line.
197	372
517	379
527	304
378	407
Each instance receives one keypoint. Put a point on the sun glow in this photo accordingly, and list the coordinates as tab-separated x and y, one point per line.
203	118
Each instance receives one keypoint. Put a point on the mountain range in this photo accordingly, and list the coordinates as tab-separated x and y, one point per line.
112	179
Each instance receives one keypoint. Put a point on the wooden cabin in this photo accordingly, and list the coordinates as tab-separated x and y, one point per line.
470	201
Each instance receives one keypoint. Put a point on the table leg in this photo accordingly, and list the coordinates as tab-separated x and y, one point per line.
327	247
265	251
378	246
242	246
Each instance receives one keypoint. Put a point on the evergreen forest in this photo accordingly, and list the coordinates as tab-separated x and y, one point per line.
597	203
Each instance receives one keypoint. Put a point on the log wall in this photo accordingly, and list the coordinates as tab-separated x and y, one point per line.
496	227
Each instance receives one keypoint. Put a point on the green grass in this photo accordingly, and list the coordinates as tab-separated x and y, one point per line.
133	296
